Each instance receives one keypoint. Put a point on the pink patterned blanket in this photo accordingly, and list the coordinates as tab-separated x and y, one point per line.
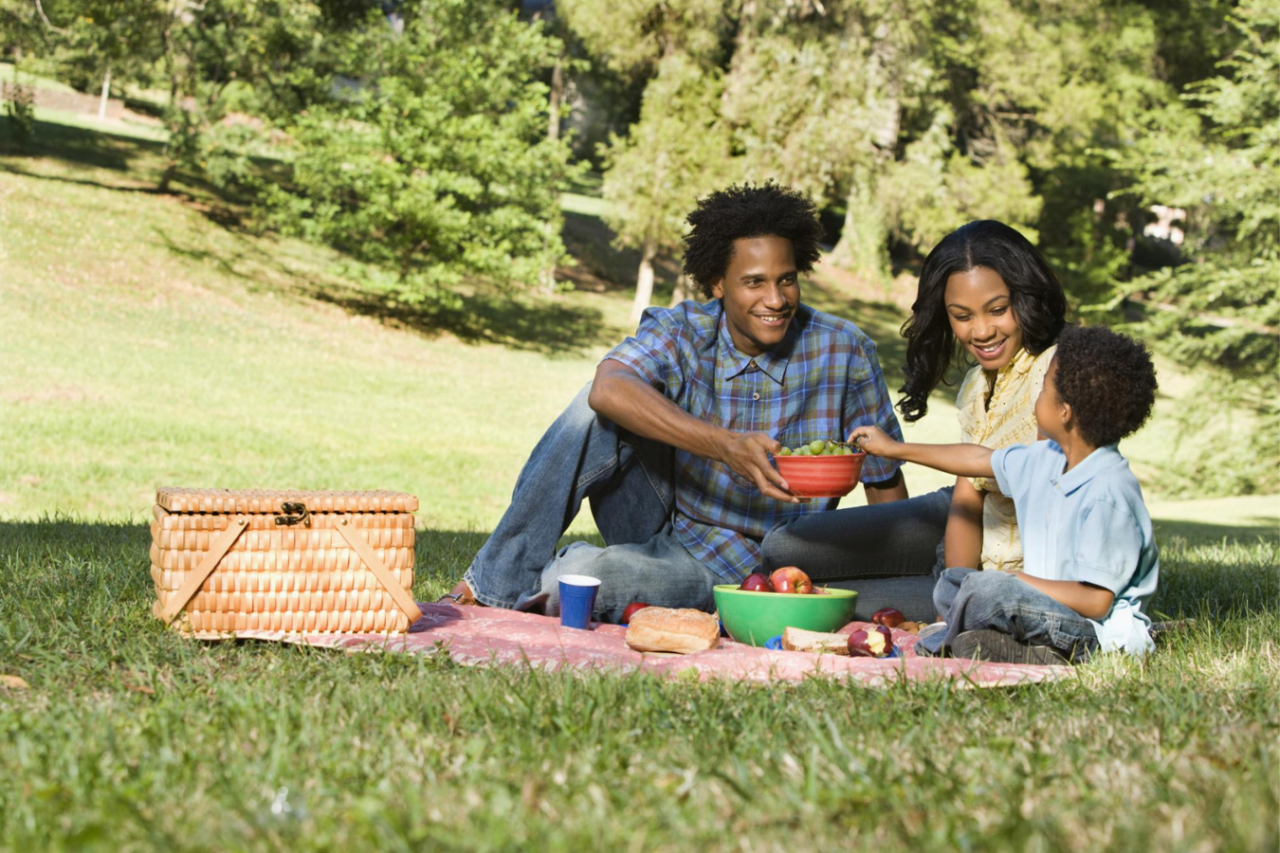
476	636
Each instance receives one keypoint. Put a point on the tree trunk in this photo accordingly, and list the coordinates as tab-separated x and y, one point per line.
557	97
863	242
644	281
106	93
684	289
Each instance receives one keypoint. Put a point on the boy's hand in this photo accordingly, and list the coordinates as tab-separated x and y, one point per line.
874	441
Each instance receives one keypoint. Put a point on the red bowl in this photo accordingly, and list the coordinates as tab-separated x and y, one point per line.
821	476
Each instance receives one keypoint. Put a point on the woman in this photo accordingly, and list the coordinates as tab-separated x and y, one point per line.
986	295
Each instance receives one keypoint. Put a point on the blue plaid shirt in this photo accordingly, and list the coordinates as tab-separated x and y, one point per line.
822	381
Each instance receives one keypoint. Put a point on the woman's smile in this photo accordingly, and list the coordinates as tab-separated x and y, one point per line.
980	310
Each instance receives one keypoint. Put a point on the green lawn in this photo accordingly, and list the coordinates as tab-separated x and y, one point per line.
149	340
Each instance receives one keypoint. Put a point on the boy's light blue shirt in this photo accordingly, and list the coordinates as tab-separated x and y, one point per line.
1088	524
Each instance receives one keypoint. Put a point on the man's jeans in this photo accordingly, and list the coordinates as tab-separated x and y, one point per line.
890	553
969	600
628	481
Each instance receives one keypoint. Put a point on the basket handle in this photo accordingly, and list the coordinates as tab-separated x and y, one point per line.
402	598
192	584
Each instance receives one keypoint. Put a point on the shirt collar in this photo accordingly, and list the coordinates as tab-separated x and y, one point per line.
1099	461
1021	362
730	361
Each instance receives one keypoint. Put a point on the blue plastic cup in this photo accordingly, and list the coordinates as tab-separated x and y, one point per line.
577	600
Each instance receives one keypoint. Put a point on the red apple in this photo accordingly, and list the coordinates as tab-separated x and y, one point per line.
791	579
756	582
631	611
890	617
873	642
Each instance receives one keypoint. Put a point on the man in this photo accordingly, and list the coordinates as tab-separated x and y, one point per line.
671	442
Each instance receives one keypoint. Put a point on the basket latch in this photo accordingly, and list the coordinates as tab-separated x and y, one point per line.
295	512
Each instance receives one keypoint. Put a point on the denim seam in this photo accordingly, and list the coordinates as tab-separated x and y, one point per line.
596	472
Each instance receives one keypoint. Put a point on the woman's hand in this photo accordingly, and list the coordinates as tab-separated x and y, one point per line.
875	441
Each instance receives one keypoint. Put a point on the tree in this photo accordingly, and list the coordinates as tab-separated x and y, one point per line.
433	157
1222	309
678	150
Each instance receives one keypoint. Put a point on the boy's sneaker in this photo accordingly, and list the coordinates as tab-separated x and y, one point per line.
993	646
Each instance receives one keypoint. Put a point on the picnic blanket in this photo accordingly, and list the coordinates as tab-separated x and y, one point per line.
483	636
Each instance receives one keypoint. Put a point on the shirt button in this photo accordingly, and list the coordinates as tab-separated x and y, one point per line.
755	396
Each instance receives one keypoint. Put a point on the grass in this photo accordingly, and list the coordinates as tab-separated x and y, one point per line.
147	340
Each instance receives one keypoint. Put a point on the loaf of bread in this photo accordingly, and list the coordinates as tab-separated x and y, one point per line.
666	629
799	640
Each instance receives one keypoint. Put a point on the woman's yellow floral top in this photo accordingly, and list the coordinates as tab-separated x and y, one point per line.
997	409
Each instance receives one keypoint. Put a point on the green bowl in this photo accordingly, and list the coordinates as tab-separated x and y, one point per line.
754	617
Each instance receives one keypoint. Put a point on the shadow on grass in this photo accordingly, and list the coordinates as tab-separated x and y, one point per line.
1198	532
512	320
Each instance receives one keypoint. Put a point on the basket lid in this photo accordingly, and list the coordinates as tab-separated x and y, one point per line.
250	501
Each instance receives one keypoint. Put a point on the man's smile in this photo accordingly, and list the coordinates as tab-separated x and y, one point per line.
772	318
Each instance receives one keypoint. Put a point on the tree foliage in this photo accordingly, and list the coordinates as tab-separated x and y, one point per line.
1222	309
433	155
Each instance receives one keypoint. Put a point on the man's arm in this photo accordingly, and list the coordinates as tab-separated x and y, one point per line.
620	394
963	460
1091	602
892	489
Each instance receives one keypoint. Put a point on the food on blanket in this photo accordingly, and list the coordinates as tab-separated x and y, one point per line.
800	640
889	617
873	642
757	582
666	629
791	579
631	611
911	627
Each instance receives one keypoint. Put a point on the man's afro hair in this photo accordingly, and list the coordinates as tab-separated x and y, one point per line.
744	211
1108	380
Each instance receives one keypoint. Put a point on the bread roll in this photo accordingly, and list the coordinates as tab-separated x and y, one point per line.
666	629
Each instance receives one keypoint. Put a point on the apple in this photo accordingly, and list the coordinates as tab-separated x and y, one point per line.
631	611
791	579
757	582
890	617
873	642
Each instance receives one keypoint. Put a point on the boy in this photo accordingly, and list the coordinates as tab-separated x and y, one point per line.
1090	559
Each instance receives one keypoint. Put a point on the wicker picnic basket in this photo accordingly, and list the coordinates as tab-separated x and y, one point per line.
295	561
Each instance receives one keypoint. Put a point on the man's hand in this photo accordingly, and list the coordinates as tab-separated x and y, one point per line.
875	441
747	454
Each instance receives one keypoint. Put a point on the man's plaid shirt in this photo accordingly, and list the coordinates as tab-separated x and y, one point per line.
822	381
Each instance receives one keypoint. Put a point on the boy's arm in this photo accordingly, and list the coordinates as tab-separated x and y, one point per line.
1091	602
963	460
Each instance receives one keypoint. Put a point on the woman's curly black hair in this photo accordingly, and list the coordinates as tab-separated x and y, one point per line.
1107	379
744	211
1039	305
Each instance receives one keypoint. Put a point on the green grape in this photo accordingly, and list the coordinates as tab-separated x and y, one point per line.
817	446
786	451
805	451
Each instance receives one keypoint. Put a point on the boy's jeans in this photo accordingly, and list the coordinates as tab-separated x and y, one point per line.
628	481
969	600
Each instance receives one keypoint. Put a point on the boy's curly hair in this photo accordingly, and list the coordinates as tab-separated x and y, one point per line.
744	211
1108	380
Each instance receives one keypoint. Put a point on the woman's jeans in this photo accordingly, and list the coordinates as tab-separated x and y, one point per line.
970	600
890	553
628	481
